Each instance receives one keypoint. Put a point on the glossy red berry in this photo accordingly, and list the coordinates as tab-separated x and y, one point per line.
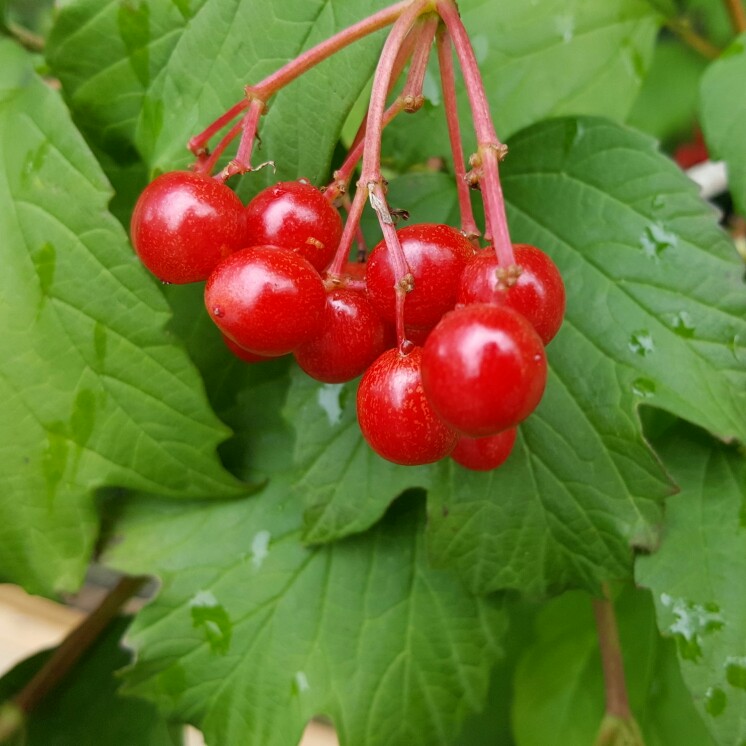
184	224
352	336
436	256
241	353
295	215
483	369
538	294
267	300
394	414
484	454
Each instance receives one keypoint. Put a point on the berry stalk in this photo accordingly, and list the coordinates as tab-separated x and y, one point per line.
489	148
266	88
409	100
371	179
448	85
405	54
249	126
293	69
69	652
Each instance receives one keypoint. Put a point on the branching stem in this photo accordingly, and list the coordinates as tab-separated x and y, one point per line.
67	655
371	180
266	88
489	149
683	29
737	15
448	84
617	702
410	99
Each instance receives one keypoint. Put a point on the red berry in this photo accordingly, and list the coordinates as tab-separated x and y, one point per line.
418	334
484	454
265	299
436	256
295	215
352	336
241	353
539	293
183	224
484	369
355	270
394	414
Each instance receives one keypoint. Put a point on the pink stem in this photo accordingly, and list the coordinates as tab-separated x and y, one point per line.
371	179
325	49
362	247
348	234
198	142
209	164
296	67
448	84
242	162
343	175
489	148
401	61
412	93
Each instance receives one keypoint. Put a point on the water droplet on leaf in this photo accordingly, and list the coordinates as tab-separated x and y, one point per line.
329	399
300	683
641	343
260	548
692	622
715	701
209	616
682	325
735	671
656	239
643	387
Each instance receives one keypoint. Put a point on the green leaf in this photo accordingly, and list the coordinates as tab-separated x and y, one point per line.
106	55
94	392
697	576
666	106
252	633
539	60
85	709
232	43
723	110
151	74
650	278
335	463
559	687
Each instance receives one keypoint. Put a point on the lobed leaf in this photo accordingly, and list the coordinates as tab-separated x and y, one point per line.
106	55
651	279
94	392
252	633
697	574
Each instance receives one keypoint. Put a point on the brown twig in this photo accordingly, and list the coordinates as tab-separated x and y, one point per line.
737	15
66	656
617	702
683	29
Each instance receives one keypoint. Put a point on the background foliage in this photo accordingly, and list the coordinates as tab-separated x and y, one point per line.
299	574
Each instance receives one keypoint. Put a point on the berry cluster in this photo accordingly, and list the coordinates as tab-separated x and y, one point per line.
448	337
